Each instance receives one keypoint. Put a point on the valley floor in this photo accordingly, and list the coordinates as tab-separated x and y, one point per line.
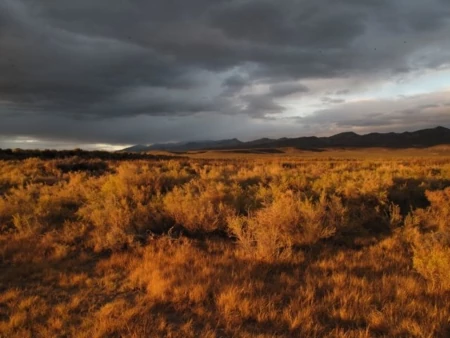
210	246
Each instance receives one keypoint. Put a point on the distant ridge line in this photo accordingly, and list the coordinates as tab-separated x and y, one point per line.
416	139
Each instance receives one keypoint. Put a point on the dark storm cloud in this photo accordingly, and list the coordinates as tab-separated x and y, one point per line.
286	89
94	60
234	84
261	105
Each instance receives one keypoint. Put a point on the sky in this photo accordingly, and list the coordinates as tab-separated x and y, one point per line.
106	74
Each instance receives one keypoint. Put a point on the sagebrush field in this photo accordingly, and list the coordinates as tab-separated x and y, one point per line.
333	244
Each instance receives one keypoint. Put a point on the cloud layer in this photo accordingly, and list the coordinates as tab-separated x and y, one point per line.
94	72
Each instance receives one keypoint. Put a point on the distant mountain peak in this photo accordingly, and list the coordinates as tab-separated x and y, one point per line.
346	134
441	128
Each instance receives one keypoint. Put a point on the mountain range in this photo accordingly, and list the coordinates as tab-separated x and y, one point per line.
420	138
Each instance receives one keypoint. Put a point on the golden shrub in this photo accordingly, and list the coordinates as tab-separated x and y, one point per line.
428	232
199	207
289	220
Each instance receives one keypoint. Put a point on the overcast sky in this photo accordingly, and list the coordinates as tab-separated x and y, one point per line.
110	73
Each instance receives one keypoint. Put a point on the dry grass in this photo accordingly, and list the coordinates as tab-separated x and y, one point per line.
245	246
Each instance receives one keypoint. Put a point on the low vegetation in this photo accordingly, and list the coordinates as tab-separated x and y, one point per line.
233	246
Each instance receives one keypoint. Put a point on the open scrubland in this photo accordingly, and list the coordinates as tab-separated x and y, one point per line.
258	244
